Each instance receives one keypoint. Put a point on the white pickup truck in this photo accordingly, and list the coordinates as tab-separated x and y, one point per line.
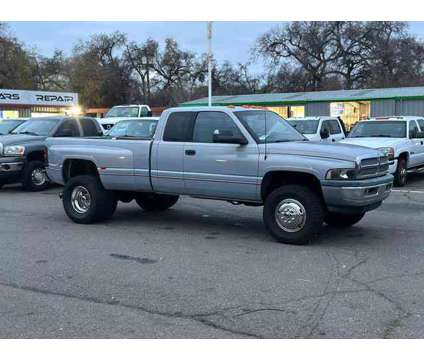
400	137
124	112
319	128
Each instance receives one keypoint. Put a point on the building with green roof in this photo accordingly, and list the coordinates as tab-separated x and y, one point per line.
350	105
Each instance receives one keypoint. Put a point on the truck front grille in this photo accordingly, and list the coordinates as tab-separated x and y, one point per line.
373	167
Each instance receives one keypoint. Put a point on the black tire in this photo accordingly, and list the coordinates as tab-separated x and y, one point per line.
313	219
101	206
156	202
340	220
401	174
29	182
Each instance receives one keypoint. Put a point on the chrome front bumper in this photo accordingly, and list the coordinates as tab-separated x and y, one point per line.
357	196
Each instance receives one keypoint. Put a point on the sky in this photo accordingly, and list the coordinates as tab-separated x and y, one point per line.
232	41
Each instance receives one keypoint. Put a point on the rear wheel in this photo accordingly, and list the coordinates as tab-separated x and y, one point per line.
156	202
293	214
401	175
35	176
340	220
86	201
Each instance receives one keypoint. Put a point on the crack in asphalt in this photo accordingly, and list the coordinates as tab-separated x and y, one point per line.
201	318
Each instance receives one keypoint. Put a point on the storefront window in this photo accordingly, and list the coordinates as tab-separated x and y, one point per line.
283	111
350	112
297	111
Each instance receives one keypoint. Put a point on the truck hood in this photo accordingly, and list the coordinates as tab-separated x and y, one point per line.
373	142
325	150
112	120
313	137
20	139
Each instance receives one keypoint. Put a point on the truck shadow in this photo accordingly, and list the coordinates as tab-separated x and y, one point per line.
182	220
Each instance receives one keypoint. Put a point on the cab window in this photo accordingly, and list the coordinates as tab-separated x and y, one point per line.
209	123
68	128
332	126
179	126
413	129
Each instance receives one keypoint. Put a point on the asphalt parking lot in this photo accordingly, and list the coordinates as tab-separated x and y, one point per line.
207	269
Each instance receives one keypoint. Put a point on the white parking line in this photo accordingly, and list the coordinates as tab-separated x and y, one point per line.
409	191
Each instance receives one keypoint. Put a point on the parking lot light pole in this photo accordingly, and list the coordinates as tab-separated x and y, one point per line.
209	63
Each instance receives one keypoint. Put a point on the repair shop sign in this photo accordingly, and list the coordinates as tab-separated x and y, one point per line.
37	98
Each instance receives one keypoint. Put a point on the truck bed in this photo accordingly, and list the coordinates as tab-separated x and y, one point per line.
123	164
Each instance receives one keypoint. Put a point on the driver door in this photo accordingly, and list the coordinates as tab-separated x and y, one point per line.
218	170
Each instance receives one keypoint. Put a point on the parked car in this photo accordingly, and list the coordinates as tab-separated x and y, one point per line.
321	128
400	137
124	112
243	156
22	153
142	128
8	125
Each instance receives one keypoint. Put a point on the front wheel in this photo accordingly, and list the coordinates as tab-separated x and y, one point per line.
401	175
35	176
293	214
156	202
86	201
340	220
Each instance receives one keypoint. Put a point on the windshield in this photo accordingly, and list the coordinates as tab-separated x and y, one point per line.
305	126
7	126
274	129
390	129
36	127
122	111
134	128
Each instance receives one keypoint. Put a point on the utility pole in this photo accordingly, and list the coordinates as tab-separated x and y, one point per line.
209	63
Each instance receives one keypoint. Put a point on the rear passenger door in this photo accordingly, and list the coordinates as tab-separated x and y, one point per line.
220	170
168	153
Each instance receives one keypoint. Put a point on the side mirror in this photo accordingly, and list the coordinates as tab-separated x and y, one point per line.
229	138
324	133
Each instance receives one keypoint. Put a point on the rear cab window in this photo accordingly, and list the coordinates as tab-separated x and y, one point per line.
90	127
179	126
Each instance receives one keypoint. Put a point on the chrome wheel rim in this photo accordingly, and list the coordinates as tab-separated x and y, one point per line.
403	173
39	176
290	215
80	200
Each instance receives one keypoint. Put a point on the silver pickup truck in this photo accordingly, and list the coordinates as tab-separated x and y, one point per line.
244	156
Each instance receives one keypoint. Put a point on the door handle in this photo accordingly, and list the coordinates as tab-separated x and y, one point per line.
190	152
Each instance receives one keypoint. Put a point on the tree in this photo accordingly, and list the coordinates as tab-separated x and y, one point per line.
16	68
98	73
51	73
309	45
140	57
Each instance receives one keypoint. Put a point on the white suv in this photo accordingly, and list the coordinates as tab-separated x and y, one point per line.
400	137
322	128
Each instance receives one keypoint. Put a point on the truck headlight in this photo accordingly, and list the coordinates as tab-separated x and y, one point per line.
389	152
14	150
341	174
